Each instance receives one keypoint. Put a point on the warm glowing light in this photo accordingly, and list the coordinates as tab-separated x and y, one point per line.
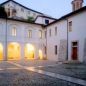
1	52
40	54
29	51
13	51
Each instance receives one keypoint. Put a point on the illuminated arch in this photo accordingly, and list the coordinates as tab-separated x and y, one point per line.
29	51
1	51
13	52
40	54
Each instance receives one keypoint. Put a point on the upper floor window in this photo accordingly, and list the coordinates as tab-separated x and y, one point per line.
55	49
34	14
50	32
14	12
30	33
70	26
22	9
46	21
29	12
40	33
45	49
13	32
55	31
8	13
77	4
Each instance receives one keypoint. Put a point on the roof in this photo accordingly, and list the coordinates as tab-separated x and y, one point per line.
68	15
45	17
24	21
20	5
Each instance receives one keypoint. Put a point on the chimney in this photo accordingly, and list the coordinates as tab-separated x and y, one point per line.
77	4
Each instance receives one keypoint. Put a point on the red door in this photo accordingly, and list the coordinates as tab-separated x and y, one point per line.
74	53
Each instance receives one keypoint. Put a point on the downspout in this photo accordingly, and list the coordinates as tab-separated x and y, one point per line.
46	43
67	38
6	42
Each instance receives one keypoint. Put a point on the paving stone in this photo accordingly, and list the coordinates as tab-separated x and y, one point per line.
74	70
22	77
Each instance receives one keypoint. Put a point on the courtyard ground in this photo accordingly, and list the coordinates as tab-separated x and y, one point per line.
16	73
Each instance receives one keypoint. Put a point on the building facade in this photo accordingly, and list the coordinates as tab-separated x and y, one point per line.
18	11
63	39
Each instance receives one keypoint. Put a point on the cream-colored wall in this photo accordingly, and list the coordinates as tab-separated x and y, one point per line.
41	20
55	40
21	14
22	35
78	33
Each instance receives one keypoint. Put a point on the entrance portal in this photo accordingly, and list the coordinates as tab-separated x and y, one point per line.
74	50
29	51
13	51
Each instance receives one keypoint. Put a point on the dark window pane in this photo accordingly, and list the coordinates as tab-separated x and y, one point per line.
75	43
46	21
56	50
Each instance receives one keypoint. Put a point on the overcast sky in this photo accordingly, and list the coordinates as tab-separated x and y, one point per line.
54	8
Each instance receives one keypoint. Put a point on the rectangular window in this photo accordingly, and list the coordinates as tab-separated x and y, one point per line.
29	12
74	43
50	32
45	50
70	26
34	14
13	31
40	34
22	9
30	33
55	31
55	49
46	21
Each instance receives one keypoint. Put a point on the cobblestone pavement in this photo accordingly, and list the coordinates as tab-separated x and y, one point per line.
11	75
74	70
35	63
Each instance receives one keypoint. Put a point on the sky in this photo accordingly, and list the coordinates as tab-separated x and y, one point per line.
54	8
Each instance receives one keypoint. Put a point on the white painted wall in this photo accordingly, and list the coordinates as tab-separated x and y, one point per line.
25	14
78	34
20	13
41	20
55	40
22	36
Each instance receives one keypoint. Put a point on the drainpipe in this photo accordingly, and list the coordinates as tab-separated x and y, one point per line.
67	38
6	42
46	42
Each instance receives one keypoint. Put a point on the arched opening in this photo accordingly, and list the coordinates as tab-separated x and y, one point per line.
1	52
13	51
29	51
40	54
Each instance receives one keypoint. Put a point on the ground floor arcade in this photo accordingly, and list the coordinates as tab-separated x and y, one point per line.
16	51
